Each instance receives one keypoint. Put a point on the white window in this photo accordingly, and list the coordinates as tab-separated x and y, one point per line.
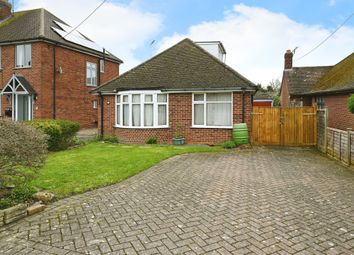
94	104
148	109
102	65
23	55
91	74
212	110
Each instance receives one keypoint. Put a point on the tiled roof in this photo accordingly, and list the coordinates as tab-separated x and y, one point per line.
185	66
36	25
264	95
339	78
301	79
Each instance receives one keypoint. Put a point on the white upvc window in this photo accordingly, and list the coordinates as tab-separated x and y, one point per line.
91	74
23	55
102	65
142	109
212	110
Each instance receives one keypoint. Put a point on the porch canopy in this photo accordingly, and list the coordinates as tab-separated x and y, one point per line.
18	85
21	95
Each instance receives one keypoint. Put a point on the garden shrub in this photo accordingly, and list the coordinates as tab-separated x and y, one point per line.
110	139
351	103
21	146
19	194
61	132
151	140
228	145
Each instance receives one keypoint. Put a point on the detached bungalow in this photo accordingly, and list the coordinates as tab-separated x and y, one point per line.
187	88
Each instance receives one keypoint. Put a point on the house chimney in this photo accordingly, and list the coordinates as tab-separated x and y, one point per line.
288	60
5	10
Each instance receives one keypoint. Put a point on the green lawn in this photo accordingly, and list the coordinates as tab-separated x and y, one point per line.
101	164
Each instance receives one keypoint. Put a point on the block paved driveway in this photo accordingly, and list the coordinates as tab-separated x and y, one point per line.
265	201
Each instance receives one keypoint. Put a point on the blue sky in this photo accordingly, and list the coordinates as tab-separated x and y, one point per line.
256	33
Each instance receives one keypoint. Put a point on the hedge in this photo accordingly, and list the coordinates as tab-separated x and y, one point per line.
61	132
351	103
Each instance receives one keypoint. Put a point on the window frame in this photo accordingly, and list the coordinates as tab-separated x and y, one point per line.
205	102
24	56
142	104
89	65
102	65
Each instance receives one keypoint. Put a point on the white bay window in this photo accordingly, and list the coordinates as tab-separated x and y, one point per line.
146	109
212	110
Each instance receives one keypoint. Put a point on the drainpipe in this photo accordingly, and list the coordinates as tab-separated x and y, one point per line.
102	112
54	81
243	105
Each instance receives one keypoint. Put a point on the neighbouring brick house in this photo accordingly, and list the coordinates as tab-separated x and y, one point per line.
45	72
326	86
183	86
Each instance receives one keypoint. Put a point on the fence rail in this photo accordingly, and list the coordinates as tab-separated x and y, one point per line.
340	144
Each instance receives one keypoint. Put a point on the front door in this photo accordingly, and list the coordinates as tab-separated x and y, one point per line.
23	107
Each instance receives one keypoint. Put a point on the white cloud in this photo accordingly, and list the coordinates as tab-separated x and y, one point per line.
256	40
332	2
119	28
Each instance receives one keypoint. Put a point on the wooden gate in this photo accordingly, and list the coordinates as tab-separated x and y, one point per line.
284	126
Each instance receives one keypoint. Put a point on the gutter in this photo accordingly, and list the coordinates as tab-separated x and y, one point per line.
343	91
102	112
243	105
171	91
54	81
43	39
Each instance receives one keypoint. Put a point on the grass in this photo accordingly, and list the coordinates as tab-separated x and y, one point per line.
101	164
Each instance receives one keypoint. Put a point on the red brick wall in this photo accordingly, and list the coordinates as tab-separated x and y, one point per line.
180	111
262	103
338	113
73	98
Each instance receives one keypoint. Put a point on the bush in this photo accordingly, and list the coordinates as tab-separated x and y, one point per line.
228	145
351	103
61	132
151	140
20	194
110	139
20	146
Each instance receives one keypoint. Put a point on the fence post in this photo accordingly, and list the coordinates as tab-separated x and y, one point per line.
325	127
349	143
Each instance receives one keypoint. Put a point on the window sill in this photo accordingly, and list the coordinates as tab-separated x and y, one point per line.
23	67
213	127
162	127
88	85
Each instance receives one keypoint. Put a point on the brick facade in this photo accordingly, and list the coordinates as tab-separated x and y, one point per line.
338	113
73	99
180	112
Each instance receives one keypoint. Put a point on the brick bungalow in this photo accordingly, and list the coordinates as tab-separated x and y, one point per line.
326	86
43	74
183	86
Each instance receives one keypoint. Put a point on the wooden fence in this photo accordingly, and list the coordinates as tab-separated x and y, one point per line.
340	145
284	126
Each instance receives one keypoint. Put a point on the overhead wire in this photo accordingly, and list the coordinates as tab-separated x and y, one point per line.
84	20
327	38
